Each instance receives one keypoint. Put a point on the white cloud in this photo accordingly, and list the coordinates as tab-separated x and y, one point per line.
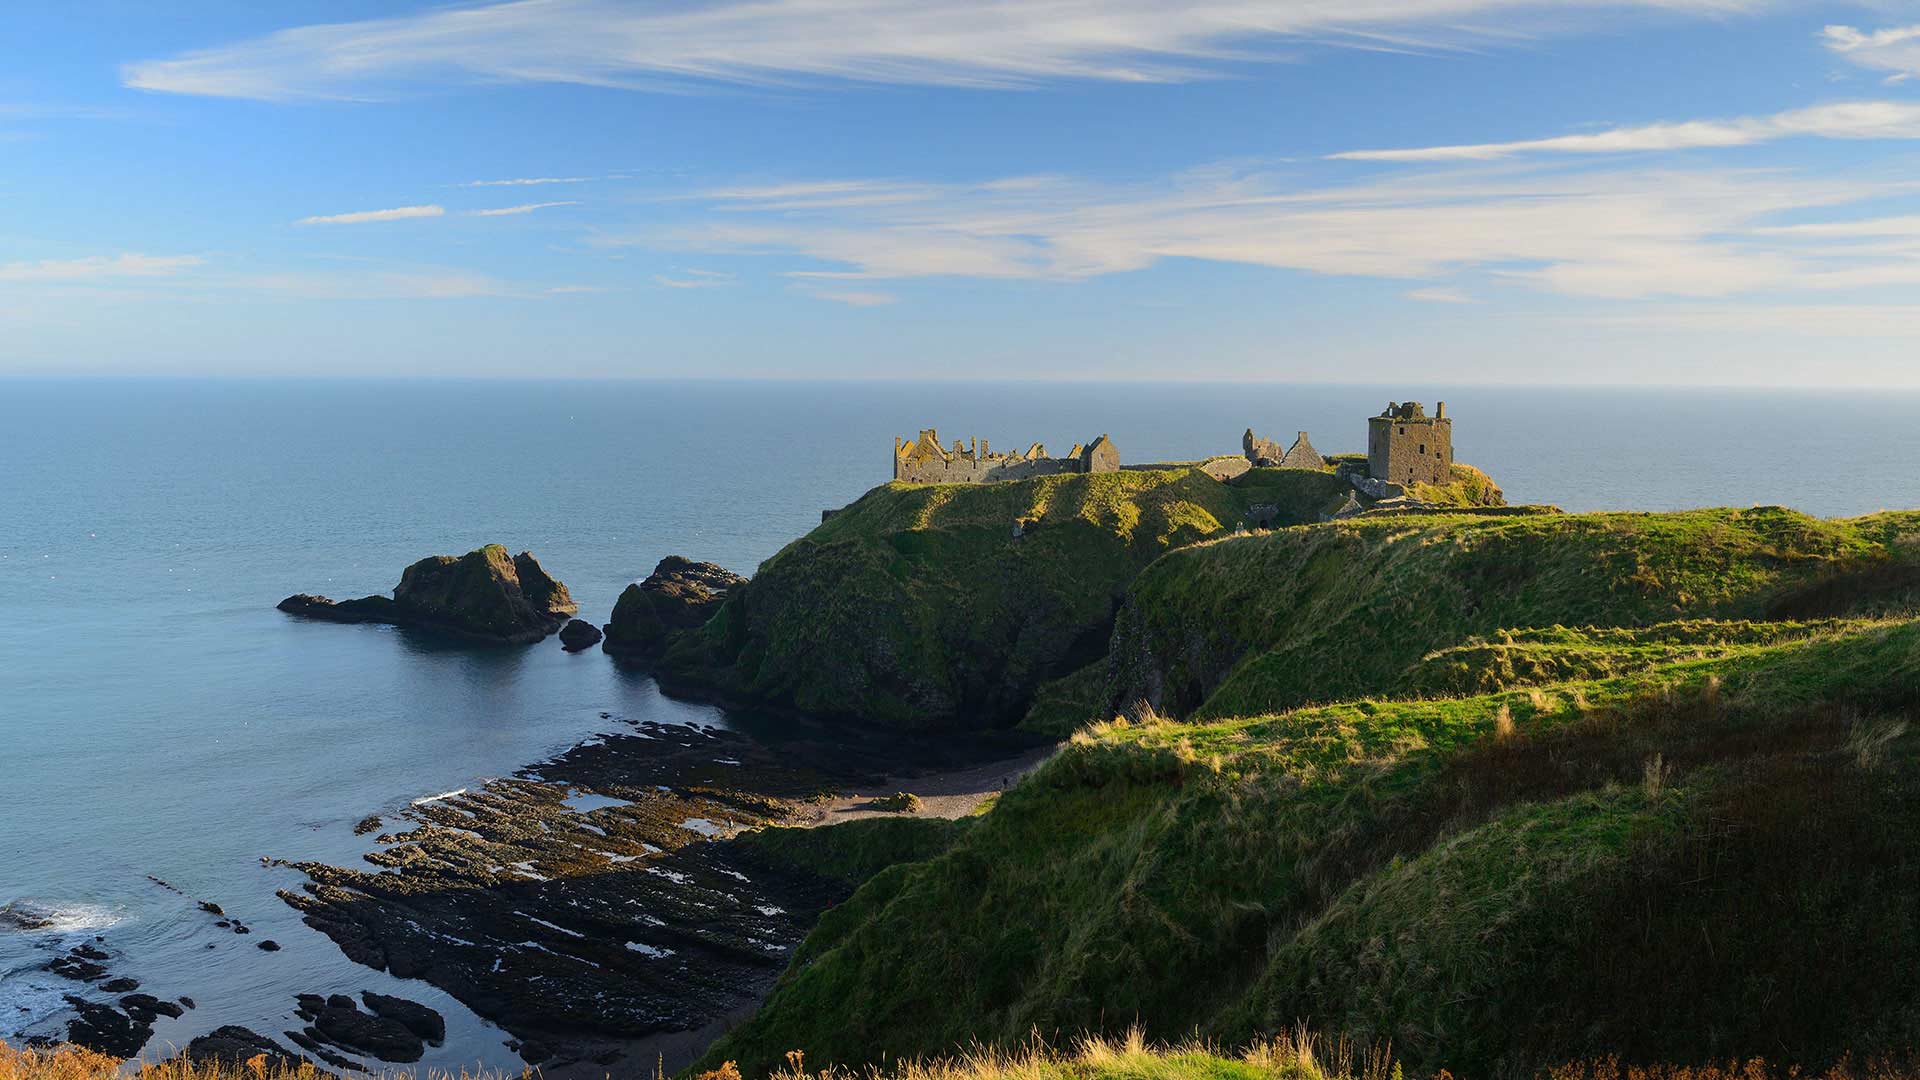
99	267
1441	296
1613	234
531	181
1895	50
1846	120
854	297
526	208
695	279
923	42
361	217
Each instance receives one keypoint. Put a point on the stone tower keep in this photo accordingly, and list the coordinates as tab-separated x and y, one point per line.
1406	446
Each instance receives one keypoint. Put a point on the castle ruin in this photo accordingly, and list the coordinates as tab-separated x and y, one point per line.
1266	453
1406	446
925	461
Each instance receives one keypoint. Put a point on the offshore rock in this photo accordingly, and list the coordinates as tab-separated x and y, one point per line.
579	634
105	1029
679	595
232	1046
485	595
412	1015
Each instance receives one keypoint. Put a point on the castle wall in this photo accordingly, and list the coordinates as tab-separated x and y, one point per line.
1410	449
960	470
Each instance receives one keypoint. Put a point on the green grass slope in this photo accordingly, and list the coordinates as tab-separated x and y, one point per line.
1348	609
1700	858
917	606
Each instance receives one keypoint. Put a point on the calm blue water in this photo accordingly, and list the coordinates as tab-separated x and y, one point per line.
158	717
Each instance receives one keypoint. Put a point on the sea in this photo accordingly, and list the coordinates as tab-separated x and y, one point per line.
161	722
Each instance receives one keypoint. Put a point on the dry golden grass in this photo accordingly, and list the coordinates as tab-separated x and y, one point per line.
1298	1056
72	1063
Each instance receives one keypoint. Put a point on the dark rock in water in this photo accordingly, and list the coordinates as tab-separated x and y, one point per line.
105	1029
88	952
579	634
75	968
269	945
211	908
138	1004
313	1046
679	595
388	1040
187	1001
341	1001
121	986
535	1052
20	917
485	595
233	1046
367	609
370	823
416	1017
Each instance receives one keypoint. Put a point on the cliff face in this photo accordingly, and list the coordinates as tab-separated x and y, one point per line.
946	606
679	595
486	595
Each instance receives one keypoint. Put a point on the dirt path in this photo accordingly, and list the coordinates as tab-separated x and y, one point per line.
942	795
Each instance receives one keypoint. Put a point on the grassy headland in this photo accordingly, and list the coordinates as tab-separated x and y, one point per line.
1687	829
950	605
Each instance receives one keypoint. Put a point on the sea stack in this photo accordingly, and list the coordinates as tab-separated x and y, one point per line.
485	595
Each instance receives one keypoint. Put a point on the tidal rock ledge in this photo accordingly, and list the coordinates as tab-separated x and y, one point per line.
484	595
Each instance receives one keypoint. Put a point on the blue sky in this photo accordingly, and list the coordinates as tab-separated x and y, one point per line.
1497	191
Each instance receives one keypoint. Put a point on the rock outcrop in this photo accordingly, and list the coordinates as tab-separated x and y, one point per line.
485	595
680	594
579	634
233	1046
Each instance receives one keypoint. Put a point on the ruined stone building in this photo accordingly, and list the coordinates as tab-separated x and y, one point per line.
1266	453
1406	446
925	461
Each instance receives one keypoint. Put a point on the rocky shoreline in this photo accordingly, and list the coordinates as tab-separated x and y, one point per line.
594	906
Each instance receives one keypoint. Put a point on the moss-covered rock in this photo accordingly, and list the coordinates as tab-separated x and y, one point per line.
484	595
679	595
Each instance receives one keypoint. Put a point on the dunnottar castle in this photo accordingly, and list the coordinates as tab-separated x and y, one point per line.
1405	446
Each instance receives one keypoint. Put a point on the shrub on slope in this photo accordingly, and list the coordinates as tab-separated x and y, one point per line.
1326	612
1237	876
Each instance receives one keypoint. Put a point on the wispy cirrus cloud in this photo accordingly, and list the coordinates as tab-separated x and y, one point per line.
1895	50
531	181
1441	295
99	268
695	279
362	217
769	42
525	208
1619	233
853	297
1845	120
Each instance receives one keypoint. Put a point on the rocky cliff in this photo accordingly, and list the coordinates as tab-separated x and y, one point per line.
485	595
679	595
